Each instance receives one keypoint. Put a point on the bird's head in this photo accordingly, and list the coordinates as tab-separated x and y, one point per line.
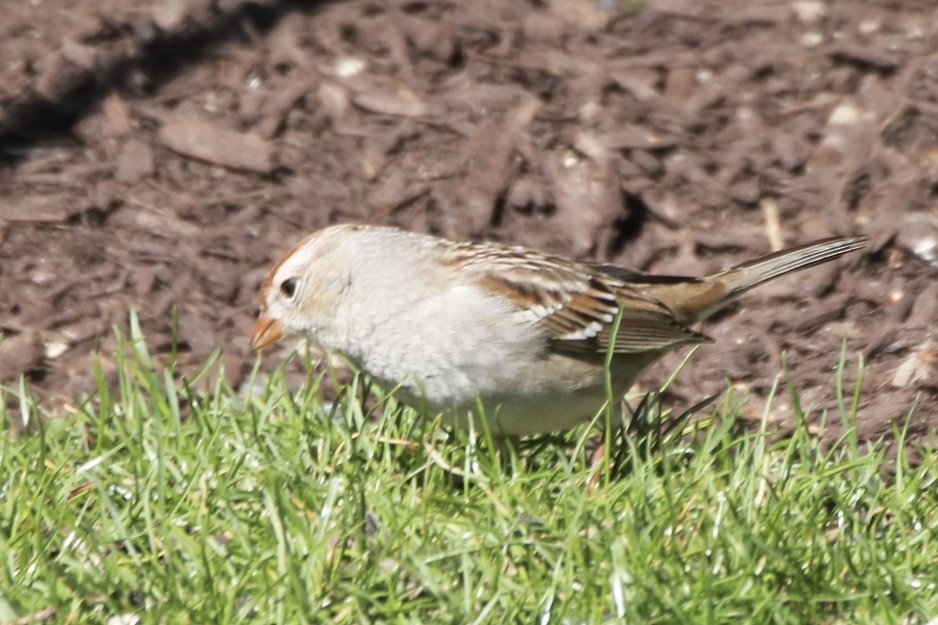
301	292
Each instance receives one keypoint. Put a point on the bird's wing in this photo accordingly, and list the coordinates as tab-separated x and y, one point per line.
576	304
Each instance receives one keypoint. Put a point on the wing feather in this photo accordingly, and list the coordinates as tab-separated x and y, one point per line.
575	303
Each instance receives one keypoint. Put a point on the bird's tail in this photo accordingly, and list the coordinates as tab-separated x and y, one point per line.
751	274
697	301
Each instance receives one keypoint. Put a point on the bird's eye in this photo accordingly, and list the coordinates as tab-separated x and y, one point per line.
288	288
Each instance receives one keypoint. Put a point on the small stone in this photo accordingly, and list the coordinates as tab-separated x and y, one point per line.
846	113
812	39
809	11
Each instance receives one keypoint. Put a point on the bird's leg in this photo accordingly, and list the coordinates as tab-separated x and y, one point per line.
506	449
611	432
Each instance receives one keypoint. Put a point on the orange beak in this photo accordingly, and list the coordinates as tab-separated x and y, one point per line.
266	331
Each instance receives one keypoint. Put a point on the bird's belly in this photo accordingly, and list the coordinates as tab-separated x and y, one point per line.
578	398
523	387
518	416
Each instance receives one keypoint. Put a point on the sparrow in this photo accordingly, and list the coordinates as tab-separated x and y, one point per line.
476	330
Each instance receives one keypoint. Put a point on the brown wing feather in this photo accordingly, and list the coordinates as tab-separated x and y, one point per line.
576	304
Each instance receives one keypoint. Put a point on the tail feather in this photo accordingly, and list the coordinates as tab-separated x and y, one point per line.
751	274
696	300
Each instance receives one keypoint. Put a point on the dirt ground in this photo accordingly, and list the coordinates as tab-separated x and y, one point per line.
162	156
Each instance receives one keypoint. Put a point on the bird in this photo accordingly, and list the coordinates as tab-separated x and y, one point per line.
481	330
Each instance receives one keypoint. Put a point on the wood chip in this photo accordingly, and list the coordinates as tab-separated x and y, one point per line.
277	107
632	137
117	119
586	14
39	210
135	162
404	103
489	165
917	367
865	56
206	141
773	225
587	195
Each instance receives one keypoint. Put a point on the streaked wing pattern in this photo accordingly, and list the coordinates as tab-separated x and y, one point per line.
575	303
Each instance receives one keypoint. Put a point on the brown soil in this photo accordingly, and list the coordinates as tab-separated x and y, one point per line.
162	156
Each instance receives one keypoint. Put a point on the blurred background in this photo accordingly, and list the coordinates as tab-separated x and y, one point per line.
163	155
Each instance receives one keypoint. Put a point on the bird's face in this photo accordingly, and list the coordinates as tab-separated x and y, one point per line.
301	291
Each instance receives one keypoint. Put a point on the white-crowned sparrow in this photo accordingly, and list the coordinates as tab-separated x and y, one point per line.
525	333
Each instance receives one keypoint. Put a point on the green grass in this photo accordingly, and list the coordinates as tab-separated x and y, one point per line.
179	506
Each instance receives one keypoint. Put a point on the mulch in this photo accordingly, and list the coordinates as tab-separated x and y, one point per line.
162	156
